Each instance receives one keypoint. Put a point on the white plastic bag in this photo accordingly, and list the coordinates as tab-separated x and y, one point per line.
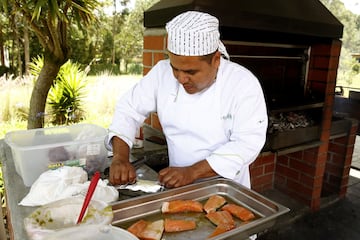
65	182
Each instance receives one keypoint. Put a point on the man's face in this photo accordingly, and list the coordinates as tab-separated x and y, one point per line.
193	72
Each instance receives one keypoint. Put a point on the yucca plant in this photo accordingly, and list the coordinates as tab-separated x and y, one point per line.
65	96
36	65
66	93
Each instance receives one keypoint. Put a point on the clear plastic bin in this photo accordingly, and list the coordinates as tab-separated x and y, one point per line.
37	150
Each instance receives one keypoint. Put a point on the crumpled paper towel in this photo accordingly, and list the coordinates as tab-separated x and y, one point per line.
65	182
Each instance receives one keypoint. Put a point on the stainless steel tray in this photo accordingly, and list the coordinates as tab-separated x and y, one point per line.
148	207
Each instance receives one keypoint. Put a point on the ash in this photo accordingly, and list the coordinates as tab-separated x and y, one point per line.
288	121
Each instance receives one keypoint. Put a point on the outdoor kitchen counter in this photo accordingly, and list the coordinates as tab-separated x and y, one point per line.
16	190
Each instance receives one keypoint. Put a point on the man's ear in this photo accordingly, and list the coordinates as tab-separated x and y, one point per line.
216	59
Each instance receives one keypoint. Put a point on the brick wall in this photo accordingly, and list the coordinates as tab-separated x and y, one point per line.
298	175
338	163
262	172
154	51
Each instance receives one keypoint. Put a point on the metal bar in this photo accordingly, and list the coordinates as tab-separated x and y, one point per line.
263	44
266	57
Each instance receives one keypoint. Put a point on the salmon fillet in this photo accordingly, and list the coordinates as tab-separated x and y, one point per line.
239	212
175	225
221	229
145	230
220	218
152	231
178	206
213	203
138	227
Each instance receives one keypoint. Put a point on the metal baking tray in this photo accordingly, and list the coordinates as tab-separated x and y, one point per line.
148	208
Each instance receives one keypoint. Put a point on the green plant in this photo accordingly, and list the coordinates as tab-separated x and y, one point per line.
66	94
36	65
4	70
101	68
135	68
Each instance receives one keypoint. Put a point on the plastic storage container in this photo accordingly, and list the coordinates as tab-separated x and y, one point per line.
37	150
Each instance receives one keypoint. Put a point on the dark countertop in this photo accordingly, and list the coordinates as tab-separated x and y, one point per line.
16	190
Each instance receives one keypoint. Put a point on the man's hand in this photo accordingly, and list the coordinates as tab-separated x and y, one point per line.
180	176
176	176
122	172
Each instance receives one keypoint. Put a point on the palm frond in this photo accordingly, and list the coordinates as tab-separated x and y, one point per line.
66	95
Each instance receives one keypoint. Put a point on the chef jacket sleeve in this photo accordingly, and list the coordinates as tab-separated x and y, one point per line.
133	108
246	133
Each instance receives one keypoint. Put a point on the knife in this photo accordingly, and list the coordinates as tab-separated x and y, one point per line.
143	185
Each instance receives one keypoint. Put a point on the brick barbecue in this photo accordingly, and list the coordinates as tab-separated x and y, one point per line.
293	47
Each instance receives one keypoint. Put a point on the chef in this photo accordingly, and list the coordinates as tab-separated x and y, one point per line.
212	110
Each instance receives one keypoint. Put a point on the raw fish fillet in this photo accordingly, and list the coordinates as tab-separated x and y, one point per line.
138	227
223	221
147	230
221	218
213	203
239	212
175	225
221	229
153	231
178	206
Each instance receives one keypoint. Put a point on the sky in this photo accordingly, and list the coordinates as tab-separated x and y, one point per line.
352	5
109	9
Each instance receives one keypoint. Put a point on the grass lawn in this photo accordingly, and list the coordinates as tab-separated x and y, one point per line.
102	93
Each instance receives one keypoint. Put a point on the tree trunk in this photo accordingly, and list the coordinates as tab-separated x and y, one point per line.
12	51
17	46
113	35
26	50
19	62
39	94
126	66
2	48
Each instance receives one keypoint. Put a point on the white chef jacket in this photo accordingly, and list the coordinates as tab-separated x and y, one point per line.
224	124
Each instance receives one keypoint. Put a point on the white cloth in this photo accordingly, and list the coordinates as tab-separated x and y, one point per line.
65	182
224	124
194	33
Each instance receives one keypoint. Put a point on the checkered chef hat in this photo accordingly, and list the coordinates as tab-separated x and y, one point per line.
194	34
